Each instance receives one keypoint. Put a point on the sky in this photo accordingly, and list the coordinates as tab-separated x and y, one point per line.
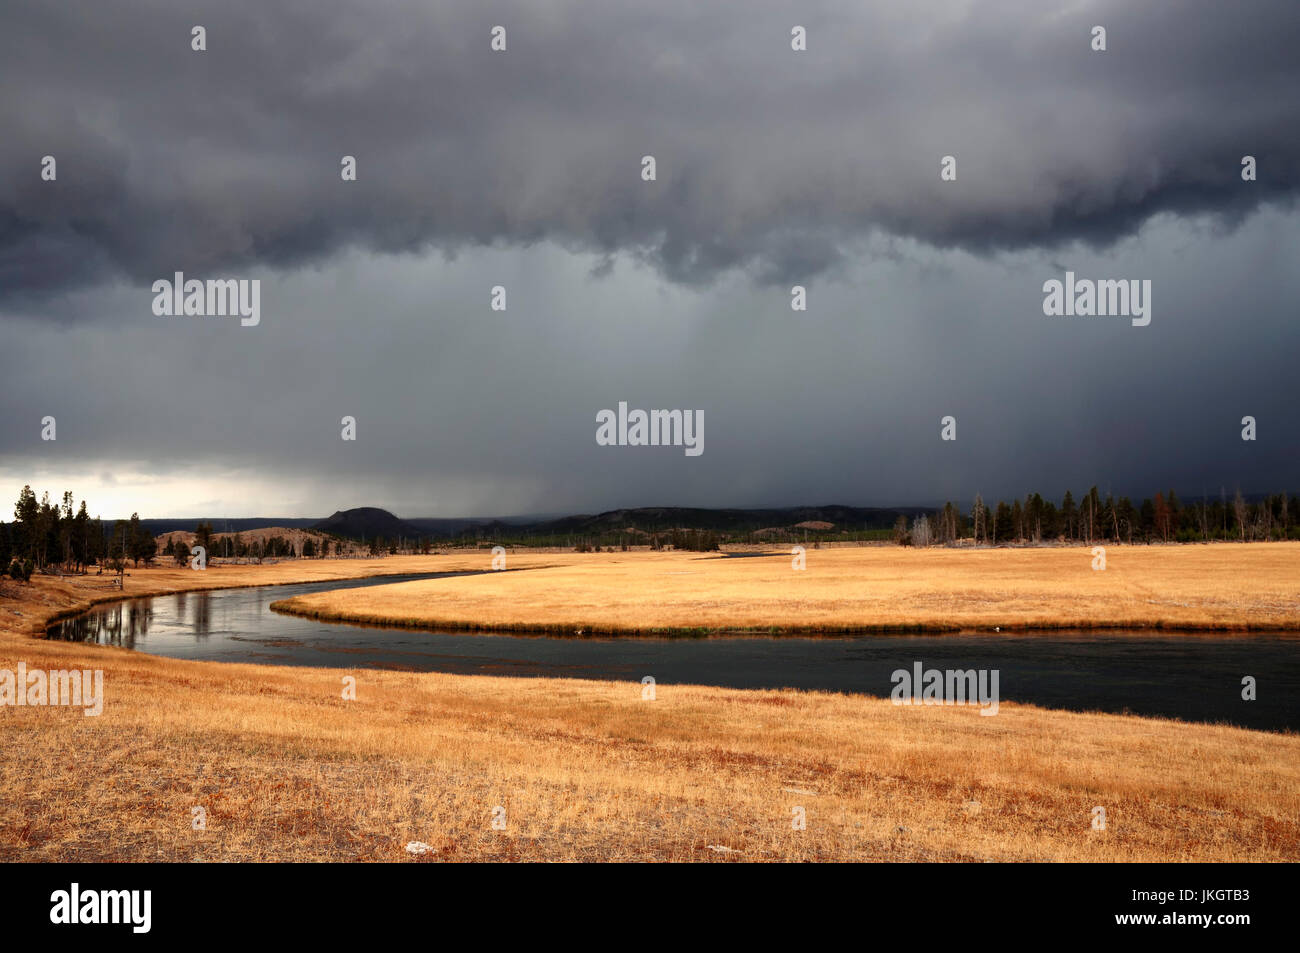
523	169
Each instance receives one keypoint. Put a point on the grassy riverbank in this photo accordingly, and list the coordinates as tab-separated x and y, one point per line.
861	589
286	769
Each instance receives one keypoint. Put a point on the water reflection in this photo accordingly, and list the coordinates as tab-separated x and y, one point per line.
120	624
202	623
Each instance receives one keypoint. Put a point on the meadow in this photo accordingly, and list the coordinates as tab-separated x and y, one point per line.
285	768
849	589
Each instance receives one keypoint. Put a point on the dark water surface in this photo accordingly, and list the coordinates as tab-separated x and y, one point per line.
1182	675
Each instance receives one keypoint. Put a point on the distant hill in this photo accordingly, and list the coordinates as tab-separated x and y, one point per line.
731	521
222	525
367	522
611	527
441	528
294	534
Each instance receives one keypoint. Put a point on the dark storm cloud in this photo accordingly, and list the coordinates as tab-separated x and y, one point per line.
523	169
768	160
464	411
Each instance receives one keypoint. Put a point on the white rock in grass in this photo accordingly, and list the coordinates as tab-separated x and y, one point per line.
418	847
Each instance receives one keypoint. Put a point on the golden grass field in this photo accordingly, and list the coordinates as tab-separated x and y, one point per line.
870	588
286	769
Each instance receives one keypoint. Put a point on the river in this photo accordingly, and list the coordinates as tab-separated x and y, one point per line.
1193	676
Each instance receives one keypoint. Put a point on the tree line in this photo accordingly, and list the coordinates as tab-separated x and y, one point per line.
45	535
1094	519
234	546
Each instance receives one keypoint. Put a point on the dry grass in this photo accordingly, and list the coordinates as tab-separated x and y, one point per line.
874	588
288	770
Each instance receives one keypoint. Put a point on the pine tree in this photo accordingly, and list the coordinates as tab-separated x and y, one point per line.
1069	516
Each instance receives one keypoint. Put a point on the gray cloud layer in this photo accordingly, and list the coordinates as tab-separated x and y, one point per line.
523	168
768	159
